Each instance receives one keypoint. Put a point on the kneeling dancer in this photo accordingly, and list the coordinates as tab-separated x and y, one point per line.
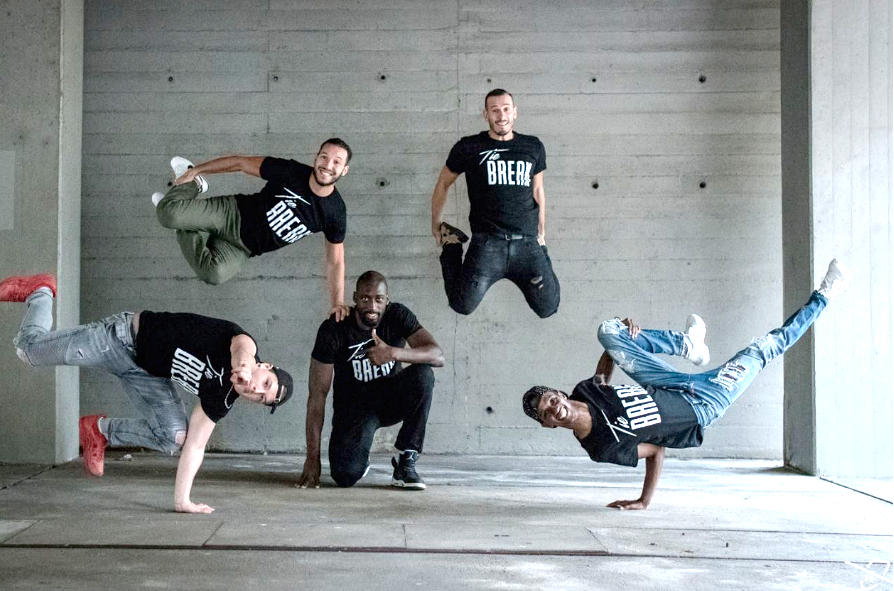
364	353
150	352
624	423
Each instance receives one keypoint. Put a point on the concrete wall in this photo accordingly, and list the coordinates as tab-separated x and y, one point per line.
837	124
646	103
41	49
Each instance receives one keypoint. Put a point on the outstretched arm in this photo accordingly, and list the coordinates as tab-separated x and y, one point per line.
335	277
250	165
654	462
422	350
320	381
540	198
439	199
191	456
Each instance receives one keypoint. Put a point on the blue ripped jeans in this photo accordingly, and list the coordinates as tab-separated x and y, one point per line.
710	393
108	345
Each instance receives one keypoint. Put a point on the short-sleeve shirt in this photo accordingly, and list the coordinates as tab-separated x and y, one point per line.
625	416
193	351
343	344
286	210
499	176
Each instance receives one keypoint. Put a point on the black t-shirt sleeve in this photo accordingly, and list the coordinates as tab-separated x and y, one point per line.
406	320
540	166
337	225
456	161
326	345
276	169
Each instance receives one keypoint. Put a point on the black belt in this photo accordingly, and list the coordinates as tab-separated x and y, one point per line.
507	236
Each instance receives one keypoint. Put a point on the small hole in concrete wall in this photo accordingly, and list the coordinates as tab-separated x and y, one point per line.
702	185
382	182
170	184
170	78
276	78
702	78
489	410
382	77
595	184
488	79
593	79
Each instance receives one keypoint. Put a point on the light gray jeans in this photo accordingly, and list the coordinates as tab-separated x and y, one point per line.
106	344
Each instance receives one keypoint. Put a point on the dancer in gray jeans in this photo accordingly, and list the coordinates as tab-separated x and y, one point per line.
150	352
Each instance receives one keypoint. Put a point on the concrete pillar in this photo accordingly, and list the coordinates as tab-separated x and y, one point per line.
41	68
836	80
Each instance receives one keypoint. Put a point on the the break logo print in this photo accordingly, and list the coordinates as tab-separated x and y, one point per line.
284	222
505	172
187	370
639	407
364	371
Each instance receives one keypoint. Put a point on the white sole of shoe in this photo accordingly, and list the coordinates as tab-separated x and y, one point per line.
157	197
411	486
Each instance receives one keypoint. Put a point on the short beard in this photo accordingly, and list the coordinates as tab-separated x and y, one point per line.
321	183
502	133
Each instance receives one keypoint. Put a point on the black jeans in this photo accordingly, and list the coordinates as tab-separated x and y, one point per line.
403	397
491	258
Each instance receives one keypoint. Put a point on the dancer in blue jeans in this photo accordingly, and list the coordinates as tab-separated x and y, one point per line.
622	424
150	352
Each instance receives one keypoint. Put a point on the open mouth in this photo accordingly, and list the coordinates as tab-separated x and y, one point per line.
561	414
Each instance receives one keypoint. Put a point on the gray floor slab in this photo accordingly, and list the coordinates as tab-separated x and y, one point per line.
483	523
489	537
745	544
12	473
98	530
125	570
309	535
10	528
877	487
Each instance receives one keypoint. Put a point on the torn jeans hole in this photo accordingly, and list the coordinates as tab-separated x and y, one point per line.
729	376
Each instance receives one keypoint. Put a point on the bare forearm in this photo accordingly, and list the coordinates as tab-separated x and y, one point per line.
438	201
247	164
187	468
316	414
654	465
423	355
335	277
605	368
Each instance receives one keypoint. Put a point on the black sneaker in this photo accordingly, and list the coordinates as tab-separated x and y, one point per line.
405	472
448	231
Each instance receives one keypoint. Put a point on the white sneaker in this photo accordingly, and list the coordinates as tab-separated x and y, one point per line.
180	165
156	197
695	332
836	281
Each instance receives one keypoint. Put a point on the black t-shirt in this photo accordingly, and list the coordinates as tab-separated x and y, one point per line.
499	176
343	344
626	415
286	210
194	352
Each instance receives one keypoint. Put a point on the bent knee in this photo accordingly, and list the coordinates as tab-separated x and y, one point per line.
610	330
346	479
213	277
547	312
23	356
172	441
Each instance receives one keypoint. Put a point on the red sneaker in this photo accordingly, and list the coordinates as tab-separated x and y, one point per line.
93	443
18	287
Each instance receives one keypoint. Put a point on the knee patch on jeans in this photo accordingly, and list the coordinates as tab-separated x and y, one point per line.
20	353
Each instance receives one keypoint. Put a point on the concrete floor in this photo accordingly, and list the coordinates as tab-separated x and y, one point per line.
483	523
